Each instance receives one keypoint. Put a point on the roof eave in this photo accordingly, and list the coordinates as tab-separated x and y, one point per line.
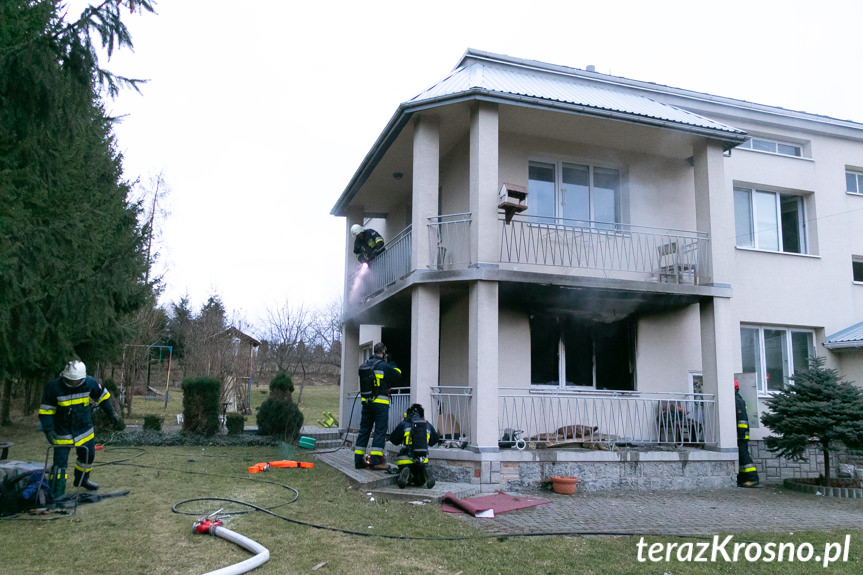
406	110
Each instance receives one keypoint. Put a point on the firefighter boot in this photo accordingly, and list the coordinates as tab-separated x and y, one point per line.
430	481
83	480
58	482
404	476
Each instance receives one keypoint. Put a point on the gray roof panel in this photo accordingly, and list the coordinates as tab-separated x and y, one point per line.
514	82
851	336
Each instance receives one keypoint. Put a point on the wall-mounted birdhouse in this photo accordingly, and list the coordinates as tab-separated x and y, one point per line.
512	199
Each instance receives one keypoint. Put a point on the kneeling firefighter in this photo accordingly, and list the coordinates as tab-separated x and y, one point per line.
415	435
67	421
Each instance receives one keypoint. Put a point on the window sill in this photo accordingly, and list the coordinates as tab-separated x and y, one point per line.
756	250
855	194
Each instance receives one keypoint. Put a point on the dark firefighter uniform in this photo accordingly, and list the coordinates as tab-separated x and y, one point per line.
747	476
413	464
376	409
368	244
66	419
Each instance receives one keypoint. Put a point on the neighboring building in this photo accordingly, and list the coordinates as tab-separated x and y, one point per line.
592	259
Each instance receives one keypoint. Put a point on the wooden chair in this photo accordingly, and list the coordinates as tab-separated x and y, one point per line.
677	262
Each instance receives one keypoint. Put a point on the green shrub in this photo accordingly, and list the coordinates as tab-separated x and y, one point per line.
235	423
201	406
153	422
281	386
280	418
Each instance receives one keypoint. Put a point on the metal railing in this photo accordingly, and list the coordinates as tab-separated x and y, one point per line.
608	418
400	399
662	254
450	412
393	263
449	241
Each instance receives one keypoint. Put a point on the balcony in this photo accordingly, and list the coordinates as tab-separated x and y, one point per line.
537	244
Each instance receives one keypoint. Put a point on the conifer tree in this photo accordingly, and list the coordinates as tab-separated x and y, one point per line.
816	407
72	254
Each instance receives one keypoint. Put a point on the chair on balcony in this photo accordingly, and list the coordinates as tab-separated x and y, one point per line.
677	263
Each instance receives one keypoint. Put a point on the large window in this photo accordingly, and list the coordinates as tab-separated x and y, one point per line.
574	191
769	221
772	147
774	353
570	353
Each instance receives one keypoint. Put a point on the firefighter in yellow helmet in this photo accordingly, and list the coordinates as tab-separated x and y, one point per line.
415	435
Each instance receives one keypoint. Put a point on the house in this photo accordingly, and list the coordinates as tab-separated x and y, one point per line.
591	260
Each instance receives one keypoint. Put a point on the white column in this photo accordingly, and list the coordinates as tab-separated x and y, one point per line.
349	381
714	214
426	181
484	183
425	343
482	364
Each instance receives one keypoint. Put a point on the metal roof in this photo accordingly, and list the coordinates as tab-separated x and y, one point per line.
849	337
516	82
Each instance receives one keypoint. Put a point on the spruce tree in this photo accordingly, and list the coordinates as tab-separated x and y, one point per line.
816	407
72	253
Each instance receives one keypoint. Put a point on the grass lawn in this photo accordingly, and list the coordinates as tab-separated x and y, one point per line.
141	533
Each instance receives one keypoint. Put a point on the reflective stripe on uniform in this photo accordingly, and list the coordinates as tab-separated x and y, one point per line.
46	409
105	395
74	399
359	451
747	468
84	437
404	461
382	400
375	452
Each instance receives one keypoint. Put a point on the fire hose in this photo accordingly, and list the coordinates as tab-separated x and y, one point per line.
208	525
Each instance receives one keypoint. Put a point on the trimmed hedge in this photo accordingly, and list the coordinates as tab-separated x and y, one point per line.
153	422
235	423
201	406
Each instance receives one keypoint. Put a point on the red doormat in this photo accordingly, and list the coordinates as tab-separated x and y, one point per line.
480	506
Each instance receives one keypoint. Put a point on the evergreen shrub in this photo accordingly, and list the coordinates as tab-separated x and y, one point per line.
279	416
153	422
201	406
235	423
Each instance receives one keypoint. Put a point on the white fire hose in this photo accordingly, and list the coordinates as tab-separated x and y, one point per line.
214	527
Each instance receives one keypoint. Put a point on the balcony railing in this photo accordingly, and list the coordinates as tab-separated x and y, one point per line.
450	412
449	241
394	262
670	255
608	418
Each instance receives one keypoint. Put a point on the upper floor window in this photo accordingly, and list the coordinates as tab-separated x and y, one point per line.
774	353
773	147
574	192
853	182
769	221
857	268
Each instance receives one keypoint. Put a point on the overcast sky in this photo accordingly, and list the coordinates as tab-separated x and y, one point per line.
259	112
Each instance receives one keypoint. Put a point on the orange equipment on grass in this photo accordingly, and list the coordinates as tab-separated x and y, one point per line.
259	467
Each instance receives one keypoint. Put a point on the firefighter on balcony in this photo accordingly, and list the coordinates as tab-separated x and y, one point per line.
368	244
67	422
377	376
415	435
747	475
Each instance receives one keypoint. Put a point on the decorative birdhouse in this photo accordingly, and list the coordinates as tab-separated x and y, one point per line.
512	199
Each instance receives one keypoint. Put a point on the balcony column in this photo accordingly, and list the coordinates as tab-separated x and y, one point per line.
425	343
426	178
714	206
483	365
484	183
349	380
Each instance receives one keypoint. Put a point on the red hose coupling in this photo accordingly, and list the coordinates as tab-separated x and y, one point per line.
206	526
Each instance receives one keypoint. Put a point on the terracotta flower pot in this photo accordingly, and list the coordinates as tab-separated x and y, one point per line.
563	485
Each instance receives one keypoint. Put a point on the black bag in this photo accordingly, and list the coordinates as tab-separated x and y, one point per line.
370	384
11	498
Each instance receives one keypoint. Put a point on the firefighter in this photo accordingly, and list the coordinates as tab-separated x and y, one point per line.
368	244
747	475
67	421
377	376
415	435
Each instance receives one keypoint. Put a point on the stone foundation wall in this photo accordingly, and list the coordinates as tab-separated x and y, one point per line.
623	475
774	469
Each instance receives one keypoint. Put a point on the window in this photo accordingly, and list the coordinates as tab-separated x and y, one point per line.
774	353
772	147
857	268
769	221
574	192
571	353
854	182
